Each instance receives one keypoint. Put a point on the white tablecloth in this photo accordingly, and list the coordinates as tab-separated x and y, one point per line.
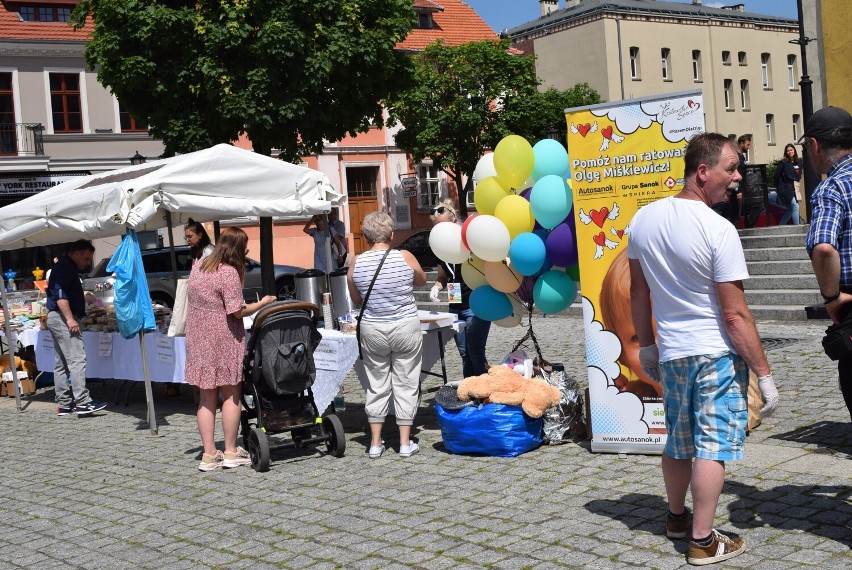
109	355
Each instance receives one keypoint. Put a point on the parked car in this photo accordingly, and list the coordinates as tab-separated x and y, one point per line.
418	245
158	269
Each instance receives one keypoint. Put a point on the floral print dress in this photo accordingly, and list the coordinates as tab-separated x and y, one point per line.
215	341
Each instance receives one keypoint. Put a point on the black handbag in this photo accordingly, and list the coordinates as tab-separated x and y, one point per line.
837	342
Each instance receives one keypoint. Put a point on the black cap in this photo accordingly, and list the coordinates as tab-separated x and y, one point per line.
822	124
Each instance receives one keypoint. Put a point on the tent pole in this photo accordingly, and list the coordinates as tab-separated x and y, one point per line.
267	271
10	342
172	248
216	231
149	396
329	265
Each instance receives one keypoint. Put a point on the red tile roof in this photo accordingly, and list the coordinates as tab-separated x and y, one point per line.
12	27
456	24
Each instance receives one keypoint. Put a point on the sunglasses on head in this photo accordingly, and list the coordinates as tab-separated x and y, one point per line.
438	210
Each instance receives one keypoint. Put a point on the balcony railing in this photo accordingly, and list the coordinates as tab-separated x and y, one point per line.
21	139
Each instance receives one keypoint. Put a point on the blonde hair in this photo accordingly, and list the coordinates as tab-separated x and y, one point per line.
449	205
615	293
377	227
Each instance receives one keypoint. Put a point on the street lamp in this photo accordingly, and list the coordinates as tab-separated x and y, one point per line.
810	175
137	159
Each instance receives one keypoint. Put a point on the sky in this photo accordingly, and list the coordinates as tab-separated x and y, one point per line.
506	14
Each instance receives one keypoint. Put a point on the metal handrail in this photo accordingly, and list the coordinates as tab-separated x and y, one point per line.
21	139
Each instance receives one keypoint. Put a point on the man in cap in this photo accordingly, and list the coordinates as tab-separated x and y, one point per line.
828	144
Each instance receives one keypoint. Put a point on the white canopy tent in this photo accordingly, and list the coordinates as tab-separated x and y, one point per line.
220	182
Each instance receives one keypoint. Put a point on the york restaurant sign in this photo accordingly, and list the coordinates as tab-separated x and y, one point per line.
25	183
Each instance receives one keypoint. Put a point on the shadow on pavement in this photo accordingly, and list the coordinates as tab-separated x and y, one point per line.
826	435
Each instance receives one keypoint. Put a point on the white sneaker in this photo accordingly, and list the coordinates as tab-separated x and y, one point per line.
237	458
408	450
377	450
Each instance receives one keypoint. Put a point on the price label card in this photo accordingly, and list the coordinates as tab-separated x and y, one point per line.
105	345
326	354
165	349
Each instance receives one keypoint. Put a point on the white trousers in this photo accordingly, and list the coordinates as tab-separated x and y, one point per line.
393	356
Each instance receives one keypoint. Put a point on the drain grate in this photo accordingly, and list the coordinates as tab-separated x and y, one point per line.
776	343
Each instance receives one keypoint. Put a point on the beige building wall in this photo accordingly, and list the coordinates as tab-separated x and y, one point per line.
589	52
836	42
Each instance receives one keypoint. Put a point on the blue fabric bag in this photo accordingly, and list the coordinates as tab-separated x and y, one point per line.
133	310
489	429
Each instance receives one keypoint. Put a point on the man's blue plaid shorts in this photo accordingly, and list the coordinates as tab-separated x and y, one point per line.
705	399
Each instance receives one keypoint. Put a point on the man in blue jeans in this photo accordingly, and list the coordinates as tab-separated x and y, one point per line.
472	340
66	304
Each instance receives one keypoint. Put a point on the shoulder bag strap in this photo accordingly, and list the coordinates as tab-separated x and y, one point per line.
364	302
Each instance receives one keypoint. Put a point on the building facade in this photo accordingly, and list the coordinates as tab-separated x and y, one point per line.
742	62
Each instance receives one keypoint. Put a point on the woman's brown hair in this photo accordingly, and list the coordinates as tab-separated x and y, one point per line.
229	250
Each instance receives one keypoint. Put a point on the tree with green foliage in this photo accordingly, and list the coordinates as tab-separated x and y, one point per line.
287	73
466	98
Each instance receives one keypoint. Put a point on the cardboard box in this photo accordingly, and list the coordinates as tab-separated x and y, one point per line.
26	384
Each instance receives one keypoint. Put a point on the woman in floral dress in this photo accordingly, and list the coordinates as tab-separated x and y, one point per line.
215	344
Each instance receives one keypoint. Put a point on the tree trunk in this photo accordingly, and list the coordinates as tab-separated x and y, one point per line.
463	193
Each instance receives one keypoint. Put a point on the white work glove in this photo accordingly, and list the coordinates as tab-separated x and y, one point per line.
649	359
769	393
433	294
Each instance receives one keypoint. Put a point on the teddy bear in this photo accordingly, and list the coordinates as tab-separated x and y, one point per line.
20	365
503	385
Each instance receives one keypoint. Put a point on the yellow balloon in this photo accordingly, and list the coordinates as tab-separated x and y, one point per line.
514	160
515	318
502	277
488	194
515	212
473	273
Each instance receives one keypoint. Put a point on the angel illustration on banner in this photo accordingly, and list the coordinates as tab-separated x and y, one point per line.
585	129
599	216
609	135
602	241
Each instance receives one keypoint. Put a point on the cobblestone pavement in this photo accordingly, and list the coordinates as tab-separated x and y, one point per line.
100	492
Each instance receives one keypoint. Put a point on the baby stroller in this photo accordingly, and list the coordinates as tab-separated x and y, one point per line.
278	372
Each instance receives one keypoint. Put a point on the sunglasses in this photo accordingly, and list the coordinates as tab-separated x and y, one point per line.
438	210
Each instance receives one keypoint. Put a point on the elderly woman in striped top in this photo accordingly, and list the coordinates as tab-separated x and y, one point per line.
391	341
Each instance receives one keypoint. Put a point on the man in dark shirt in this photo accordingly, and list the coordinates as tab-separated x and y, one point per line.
66	304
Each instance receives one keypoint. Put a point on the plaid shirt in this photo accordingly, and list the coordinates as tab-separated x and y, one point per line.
831	221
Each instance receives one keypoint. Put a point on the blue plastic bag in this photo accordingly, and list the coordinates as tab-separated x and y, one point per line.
489	429
132	301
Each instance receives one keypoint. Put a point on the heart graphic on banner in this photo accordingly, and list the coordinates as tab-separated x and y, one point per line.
607	133
619	233
600	239
693	104
599	216
584	129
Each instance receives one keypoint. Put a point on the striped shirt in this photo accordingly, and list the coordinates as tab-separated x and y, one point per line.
392	297
831	221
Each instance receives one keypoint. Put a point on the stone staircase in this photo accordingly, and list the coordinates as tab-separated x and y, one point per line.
782	281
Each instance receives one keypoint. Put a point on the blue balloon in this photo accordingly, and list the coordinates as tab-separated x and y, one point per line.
490	304
551	200
550	158
527	253
554	292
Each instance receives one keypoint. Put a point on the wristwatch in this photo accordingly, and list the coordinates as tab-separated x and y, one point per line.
831	299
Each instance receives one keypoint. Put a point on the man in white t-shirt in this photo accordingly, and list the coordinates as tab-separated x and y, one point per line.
689	262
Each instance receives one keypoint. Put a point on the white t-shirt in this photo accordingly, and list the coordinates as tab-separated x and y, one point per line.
685	248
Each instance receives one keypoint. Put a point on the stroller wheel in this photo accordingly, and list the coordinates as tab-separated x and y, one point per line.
336	443
258	448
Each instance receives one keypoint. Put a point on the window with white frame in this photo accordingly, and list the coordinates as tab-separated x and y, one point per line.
770	129
635	70
697	73
792	72
766	70
666	62
745	100
429	187
729	94
796	120
726	58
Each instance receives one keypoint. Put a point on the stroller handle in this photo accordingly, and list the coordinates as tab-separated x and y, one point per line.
289	305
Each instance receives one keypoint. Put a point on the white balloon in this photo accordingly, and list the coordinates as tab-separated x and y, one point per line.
484	168
446	243
515	318
488	238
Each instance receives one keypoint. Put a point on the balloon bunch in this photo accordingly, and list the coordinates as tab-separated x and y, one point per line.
519	249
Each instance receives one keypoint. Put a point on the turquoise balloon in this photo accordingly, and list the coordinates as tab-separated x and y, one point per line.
551	200
527	253
554	292
490	304
550	158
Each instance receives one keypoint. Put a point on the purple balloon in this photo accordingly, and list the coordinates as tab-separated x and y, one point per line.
525	291
525	193
561	249
572	221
